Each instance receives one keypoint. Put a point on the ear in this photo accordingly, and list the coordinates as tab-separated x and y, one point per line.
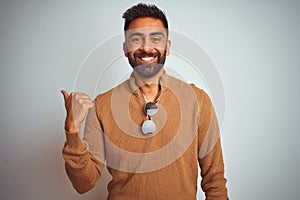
168	47
125	49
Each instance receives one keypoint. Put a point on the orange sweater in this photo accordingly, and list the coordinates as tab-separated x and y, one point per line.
163	165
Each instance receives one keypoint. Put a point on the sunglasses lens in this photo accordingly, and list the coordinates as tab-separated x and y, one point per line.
148	127
151	108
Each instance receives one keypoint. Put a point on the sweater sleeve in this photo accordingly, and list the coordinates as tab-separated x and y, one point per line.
83	167
210	153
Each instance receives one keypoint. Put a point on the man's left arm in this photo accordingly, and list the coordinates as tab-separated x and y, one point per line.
210	152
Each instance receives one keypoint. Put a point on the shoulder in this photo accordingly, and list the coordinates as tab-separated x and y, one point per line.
100	98
189	91
104	99
201	94
178	83
204	100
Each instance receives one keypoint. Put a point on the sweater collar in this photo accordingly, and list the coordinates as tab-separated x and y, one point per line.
134	88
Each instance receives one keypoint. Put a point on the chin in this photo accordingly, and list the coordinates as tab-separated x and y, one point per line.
149	70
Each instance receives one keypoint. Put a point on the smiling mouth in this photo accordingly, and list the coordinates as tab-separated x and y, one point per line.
147	59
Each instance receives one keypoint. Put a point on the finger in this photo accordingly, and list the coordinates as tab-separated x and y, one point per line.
65	94
90	105
87	103
78	96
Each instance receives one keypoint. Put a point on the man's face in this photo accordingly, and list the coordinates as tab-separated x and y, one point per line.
146	46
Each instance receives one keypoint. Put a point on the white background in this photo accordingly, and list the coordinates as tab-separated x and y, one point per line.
254	44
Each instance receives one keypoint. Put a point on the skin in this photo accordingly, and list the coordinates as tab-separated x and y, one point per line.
77	104
148	86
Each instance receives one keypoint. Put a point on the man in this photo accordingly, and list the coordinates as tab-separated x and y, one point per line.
151	131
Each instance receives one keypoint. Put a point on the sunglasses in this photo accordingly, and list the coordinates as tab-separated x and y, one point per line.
148	126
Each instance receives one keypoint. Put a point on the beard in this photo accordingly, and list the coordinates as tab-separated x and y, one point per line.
147	70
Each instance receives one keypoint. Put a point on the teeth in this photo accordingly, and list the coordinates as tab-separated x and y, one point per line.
147	59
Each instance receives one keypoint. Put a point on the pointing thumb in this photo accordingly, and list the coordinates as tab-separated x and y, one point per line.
66	95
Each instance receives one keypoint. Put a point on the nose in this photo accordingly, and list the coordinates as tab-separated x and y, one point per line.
146	45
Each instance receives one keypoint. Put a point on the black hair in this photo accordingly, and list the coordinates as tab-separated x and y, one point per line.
144	10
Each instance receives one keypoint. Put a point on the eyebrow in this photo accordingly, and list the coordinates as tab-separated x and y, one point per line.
135	34
157	33
151	34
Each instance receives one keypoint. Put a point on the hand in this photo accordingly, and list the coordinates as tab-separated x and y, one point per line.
77	105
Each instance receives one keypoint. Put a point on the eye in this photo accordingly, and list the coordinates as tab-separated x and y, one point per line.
136	39
156	39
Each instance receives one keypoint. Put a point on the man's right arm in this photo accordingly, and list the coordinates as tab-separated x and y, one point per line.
82	167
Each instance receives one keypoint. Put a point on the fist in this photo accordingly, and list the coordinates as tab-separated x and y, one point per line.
77	105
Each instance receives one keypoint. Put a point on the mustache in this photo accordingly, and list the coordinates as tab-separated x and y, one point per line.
145	54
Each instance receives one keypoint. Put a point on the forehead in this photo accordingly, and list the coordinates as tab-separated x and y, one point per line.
146	22
146	26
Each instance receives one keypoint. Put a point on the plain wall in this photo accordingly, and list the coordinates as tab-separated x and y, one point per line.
255	47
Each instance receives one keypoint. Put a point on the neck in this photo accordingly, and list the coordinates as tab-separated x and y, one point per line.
149	86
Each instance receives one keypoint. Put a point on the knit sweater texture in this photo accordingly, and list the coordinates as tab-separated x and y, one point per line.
162	165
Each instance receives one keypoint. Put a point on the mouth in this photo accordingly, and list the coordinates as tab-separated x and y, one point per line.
147	59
